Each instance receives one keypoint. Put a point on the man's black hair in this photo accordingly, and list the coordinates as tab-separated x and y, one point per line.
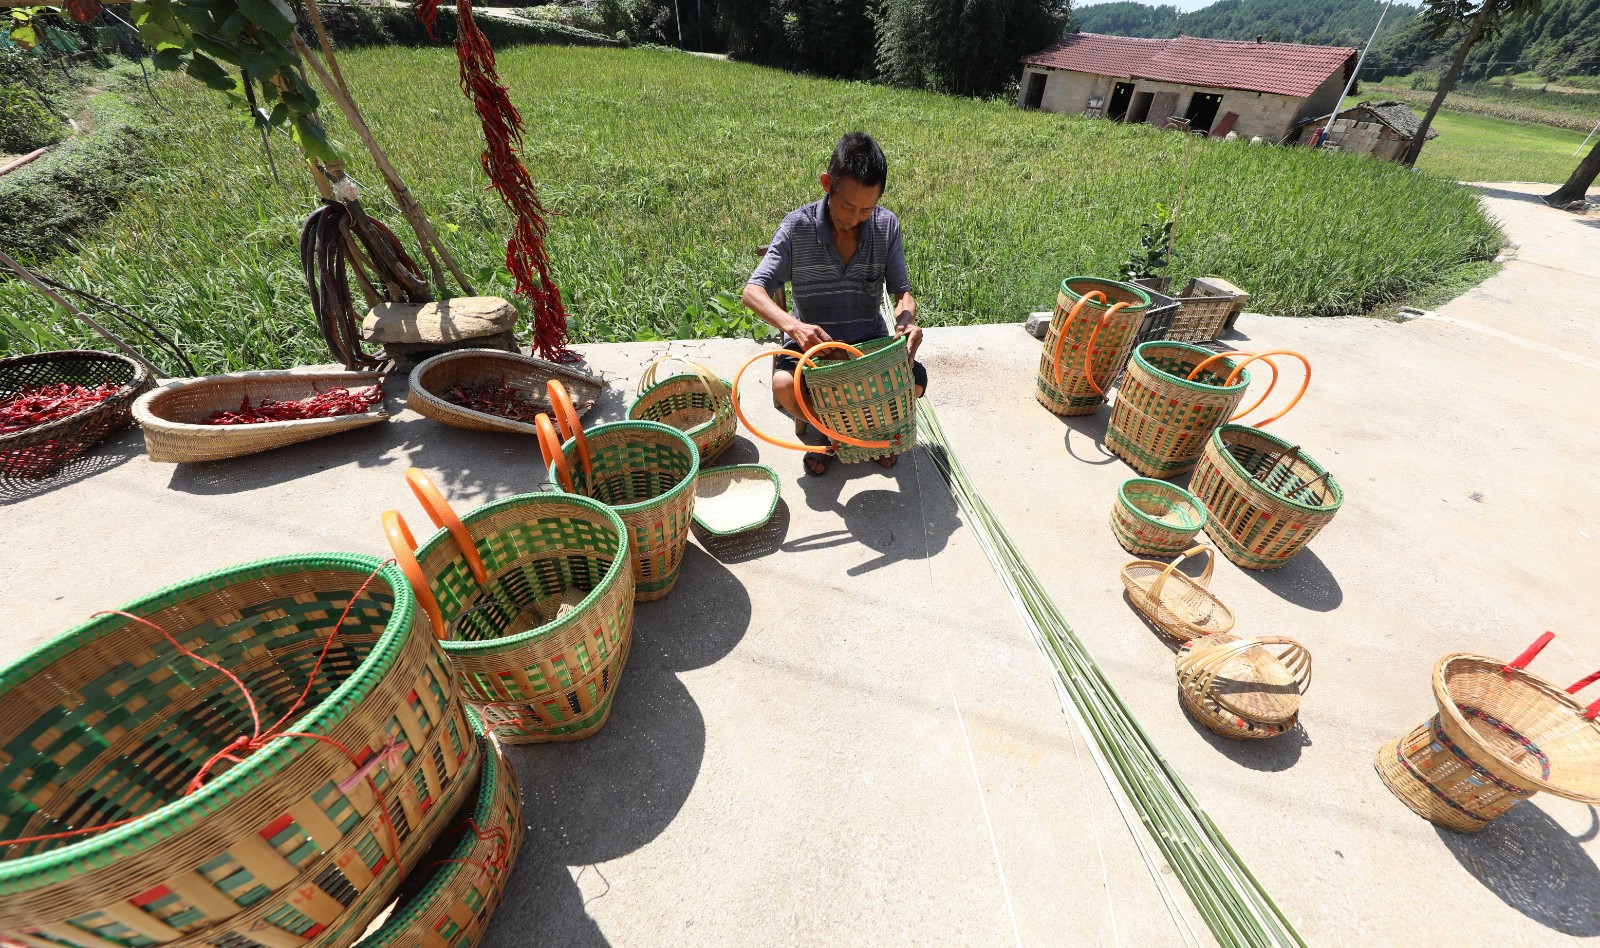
859	157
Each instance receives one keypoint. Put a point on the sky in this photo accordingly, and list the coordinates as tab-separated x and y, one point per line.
1187	6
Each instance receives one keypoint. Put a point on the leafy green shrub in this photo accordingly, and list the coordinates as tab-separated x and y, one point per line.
25	124
353	25
582	16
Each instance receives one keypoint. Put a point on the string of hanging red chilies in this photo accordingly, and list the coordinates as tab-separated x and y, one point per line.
502	134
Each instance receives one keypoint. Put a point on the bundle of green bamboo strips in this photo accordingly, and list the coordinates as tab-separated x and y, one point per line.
1227	896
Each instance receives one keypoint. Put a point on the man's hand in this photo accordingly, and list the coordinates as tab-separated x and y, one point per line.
806	335
904	325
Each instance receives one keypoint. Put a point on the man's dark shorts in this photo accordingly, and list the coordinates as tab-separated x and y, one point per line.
787	364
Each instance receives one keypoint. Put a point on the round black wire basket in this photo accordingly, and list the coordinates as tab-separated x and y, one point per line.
42	450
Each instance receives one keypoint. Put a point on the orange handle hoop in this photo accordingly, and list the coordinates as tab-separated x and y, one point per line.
1264	395
805	408
402	544
550	447
568	424
1088	354
440	512
1061	334
1305	384
739	412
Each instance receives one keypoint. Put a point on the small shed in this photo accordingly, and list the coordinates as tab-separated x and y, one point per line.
1379	129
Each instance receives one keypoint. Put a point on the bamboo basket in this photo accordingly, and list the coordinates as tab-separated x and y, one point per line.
1239	689
1184	608
43	450
170	415
1266	499
448	900
1501	735
871	397
297	843
1099	331
1199	318
1154	518
730	500
530	376
697	403
646	472
1161	421
532	599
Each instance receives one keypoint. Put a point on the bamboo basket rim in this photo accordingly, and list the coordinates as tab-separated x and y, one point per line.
1165	376
717	414
148	417
613	426
141	377
730	472
1336	493
1182	495
584	388
1138	291
17	875
619	562
870	349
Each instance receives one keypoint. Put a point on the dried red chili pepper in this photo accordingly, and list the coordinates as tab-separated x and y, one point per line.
495	398
330	404
35	405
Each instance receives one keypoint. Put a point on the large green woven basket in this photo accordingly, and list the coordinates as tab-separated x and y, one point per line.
645	471
871	397
519	650
290	846
1075	395
1161	421
1266	499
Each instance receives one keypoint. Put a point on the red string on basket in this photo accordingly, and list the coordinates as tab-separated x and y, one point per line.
497	856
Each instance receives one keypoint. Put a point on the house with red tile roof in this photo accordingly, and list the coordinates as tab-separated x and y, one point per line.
1207	85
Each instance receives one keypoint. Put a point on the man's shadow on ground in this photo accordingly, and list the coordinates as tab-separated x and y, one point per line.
911	517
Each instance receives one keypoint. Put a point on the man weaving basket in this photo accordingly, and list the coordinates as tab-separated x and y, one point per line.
839	254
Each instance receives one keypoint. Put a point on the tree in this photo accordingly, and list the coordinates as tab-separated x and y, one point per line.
1482	19
1577	185
964	47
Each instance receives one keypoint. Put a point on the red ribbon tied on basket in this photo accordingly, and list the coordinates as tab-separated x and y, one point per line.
390	754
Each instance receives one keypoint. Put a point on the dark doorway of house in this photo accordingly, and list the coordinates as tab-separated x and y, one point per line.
1117	108
1139	109
1203	111
1035	95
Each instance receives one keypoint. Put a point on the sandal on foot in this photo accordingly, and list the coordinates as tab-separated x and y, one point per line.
816	464
889	461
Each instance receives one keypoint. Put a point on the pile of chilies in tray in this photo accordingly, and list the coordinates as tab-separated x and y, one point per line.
496	398
329	404
35	405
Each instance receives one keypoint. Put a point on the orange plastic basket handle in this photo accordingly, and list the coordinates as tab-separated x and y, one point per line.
550	447
1223	355
567	423
1304	384
444	517
739	411
805	406
1061	335
1088	354
403	545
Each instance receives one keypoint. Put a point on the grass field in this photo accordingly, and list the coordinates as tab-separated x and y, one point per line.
666	171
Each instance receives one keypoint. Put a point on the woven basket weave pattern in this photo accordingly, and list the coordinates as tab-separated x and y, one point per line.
1265	501
270	850
1199	318
1161	421
170	415
559	675
871	398
43	450
530	376
1075	396
1153	518
683	402
1241	690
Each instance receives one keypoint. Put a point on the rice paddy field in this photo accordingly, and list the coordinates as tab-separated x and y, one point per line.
666	171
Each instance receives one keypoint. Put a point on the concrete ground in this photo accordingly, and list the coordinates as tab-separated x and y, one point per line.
838	730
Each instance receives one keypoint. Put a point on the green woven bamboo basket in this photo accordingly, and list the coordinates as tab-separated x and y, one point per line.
871	397
1161	421
697	403
301	842
448	899
1154	518
1265	498
538	646
1077	394
645	471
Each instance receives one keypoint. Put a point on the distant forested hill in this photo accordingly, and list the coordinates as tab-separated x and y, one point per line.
1326	22
1563	40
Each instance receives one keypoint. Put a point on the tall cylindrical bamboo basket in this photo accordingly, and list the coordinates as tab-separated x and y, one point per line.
540	646
871	397
1161	421
645	471
1265	499
1076	395
302	842
447	901
697	402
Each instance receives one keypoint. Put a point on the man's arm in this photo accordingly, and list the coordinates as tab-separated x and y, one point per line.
772	273
898	282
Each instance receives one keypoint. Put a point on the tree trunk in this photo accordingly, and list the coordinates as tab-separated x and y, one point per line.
1447	83
1578	185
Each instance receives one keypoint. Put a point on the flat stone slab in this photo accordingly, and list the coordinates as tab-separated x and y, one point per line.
445	321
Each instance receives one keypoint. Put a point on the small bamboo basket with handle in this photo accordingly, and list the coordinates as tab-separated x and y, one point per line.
697	403
1502	734
1266	498
864	404
1094	327
1154	518
531	597
1184	608
254	756
1239	688
643	470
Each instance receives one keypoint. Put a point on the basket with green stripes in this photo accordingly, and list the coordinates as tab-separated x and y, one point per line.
645	471
298	838
447	901
1265	498
871	397
1154	518
696	403
1095	324
1161	419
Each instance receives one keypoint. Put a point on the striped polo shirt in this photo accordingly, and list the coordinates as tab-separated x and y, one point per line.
843	300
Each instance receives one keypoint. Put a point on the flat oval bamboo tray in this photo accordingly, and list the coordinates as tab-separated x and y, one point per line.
300	843
432	378
42	450
729	500
1239	689
1182	607
170	415
1154	518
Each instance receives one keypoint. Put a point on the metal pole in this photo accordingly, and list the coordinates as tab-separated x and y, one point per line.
1361	58
1586	138
679	17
